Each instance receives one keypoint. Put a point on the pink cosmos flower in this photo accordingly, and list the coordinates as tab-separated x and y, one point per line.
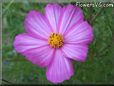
54	39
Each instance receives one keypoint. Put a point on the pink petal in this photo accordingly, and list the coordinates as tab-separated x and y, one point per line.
36	25
71	15
75	52
79	34
60	68
33	49
41	56
52	12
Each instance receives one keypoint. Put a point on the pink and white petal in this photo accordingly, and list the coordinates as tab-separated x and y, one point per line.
75	52
24	42
79	34
52	12
41	56
71	15
60	68
36	25
32	49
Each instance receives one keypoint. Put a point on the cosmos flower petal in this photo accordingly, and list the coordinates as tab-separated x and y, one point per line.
80	34
75	52
71	15
52	12
60	68
40	56
32	49
36	24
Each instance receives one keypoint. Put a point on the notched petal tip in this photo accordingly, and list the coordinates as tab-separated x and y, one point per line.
81	58
16	39
28	16
31	14
51	5
57	81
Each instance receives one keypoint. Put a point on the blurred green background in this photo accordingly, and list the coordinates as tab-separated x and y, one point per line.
98	68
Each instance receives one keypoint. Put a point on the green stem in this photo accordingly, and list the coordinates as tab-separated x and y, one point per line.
94	18
8	6
90	15
7	82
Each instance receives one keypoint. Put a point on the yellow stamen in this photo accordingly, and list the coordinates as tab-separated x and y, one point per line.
56	40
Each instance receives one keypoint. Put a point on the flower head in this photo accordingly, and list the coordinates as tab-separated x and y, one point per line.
54	39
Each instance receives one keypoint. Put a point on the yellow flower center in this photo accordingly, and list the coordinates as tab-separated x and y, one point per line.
56	40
